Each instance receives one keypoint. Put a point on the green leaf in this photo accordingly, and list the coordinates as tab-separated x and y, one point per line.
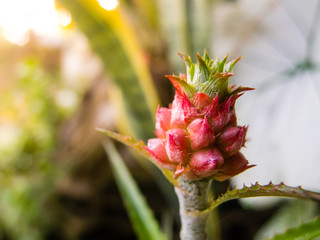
190	67
292	214
141	216
202	70
229	66
138	146
257	190
217	84
305	231
222	63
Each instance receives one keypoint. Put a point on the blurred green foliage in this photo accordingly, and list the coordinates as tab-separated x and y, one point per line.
291	215
37	101
30	116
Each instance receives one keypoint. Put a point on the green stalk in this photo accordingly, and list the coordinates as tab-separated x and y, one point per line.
193	198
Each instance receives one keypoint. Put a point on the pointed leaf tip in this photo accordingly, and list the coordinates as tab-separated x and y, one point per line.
229	66
221	65
181	85
186	59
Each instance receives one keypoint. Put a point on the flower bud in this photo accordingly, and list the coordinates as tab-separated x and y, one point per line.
200	133
232	166
198	136
206	162
201	100
228	111
177	146
212	109
216	114
163	119
182	111
231	140
157	149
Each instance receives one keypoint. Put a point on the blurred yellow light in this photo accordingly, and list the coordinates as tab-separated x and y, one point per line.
64	17
109	4
18	17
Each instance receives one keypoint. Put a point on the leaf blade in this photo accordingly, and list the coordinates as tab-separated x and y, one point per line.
305	231
257	190
138	146
141	216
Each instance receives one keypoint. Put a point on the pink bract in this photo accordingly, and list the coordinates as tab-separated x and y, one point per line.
198	135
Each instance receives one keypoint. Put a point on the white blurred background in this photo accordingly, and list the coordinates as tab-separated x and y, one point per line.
280	45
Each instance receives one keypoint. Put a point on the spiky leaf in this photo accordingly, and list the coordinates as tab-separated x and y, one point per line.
229	66
138	146
305	231
257	190
143	220
209	76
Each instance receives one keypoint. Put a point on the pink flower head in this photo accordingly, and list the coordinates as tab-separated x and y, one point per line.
198	136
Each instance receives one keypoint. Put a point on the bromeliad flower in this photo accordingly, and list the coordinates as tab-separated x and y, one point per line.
198	139
198	135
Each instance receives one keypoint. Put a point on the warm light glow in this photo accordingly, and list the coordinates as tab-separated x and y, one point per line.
18	17
64	17
108	4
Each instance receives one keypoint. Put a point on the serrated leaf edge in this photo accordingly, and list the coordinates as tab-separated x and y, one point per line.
257	190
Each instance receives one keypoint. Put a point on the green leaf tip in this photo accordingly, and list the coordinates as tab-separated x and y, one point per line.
207	75
257	190
127	140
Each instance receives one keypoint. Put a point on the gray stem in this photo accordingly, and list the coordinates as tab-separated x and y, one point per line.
193	196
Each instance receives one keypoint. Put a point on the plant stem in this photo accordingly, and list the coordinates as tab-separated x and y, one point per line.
193	196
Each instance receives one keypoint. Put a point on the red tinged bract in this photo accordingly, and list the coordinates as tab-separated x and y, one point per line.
177	146
206	162
198	135
157	149
201	100
163	118
201	134
232	139
182	111
232	166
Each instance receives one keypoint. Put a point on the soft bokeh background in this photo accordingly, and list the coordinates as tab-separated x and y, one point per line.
281	60
67	67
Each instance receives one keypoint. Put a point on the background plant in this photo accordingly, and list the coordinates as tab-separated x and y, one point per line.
161	34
